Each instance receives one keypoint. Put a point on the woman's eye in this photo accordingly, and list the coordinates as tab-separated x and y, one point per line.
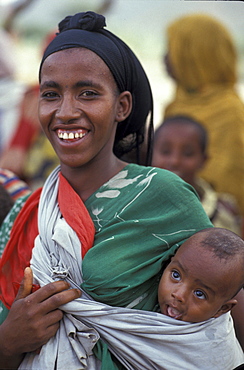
200	294
175	275
88	93
49	94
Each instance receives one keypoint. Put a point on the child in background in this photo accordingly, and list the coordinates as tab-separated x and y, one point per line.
181	147
203	277
202	60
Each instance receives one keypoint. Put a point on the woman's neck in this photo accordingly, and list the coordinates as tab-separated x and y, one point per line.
86	180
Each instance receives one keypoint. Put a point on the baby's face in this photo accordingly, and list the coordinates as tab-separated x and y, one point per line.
194	286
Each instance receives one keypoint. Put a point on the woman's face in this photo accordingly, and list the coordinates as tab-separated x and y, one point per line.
80	106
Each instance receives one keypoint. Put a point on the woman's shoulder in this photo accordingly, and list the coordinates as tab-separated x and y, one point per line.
160	175
133	168
162	182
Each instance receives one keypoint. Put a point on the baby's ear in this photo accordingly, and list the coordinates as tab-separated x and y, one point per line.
226	307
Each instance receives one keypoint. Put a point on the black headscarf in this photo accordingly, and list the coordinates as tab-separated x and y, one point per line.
87	30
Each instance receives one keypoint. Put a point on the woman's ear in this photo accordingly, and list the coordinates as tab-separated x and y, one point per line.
226	307
124	106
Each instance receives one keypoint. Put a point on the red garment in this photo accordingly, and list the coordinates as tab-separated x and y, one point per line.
28	121
17	254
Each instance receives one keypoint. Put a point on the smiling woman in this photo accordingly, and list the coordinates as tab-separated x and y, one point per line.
97	223
87	109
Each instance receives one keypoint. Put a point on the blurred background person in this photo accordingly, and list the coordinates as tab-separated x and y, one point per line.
181	147
11	91
202	60
15	187
28	153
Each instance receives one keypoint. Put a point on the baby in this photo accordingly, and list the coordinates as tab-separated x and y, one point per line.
203	277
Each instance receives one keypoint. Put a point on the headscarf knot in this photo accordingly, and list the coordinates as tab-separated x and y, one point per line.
88	21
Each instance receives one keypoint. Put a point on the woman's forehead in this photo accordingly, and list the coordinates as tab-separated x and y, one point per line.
74	60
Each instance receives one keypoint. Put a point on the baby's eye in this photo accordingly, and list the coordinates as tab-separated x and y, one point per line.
175	275
200	294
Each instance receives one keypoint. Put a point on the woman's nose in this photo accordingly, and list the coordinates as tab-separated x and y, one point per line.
67	110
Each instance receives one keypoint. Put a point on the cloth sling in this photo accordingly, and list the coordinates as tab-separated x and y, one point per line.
139	339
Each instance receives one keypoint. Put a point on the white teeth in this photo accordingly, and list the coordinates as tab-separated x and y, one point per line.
70	135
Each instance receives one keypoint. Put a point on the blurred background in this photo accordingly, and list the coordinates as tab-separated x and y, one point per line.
140	23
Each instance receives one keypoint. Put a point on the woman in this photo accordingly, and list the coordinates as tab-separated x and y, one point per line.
94	103
202	60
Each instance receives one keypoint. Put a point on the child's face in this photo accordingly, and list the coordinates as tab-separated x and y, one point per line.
177	149
195	286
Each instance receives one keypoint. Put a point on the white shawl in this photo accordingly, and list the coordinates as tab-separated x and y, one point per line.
140	339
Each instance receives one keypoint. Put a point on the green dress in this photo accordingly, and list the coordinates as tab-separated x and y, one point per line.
141	215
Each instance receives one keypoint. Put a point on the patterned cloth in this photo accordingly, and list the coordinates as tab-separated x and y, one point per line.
141	216
14	186
140	339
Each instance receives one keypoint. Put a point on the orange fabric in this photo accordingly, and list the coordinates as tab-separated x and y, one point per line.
76	215
18	251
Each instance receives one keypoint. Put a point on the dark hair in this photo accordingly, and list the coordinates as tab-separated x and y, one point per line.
87	30
223	243
185	120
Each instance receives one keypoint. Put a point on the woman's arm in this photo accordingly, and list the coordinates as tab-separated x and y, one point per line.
32	320
237	314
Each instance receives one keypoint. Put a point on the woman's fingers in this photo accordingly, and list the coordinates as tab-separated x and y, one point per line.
34	317
26	284
53	295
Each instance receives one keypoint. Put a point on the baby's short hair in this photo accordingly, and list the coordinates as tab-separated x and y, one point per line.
225	245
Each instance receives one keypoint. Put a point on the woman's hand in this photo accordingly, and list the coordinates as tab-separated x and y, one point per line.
33	319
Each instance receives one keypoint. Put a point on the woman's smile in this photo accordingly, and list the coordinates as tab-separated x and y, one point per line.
71	135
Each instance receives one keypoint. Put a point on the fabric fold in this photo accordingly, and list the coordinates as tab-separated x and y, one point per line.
139	339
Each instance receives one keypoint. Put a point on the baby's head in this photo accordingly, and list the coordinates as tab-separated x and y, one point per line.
180	146
203	277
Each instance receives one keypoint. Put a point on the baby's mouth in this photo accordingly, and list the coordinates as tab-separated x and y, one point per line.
173	312
71	134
